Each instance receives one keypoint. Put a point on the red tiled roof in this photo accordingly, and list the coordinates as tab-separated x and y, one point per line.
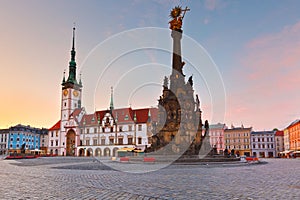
90	119
55	127
124	115
142	114
279	133
100	114
76	112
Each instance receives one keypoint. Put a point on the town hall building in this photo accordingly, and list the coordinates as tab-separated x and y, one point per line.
101	133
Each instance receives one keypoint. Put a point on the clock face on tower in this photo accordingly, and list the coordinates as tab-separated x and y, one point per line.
65	92
75	93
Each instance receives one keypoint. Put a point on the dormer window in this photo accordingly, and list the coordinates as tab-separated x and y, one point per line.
126	117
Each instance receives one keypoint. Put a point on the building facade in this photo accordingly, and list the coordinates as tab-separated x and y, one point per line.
24	137
238	139
286	140
4	133
101	133
216	136
294	135
279	143
263	144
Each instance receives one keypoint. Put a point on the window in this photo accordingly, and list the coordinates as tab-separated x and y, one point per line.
111	140
87	142
139	140
80	142
95	142
51	134
56	134
87	131
120	140
95	130
120	128
129	127
56	142
51	143
130	140
126	117
11	139
103	141
262	139
253	139
140	127
258	139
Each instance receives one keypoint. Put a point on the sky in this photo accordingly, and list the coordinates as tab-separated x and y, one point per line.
244	57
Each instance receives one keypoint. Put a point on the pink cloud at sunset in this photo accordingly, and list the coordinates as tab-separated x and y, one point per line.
269	80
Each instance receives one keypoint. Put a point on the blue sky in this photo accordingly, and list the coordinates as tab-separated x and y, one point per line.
255	45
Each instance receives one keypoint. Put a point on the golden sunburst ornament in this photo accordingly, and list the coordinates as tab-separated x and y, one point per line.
176	12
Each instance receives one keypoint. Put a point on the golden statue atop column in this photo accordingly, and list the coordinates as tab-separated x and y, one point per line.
176	14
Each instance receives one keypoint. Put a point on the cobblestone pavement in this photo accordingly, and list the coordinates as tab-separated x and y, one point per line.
82	178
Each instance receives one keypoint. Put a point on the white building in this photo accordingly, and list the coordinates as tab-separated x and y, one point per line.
101	133
216	136
279	141
263	144
4	141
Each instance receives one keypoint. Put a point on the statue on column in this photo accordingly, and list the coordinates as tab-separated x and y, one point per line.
176	22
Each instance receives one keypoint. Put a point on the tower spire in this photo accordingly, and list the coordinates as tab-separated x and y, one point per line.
72	63
73	52
111	100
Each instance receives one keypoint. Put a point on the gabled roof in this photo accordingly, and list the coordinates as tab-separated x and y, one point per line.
55	126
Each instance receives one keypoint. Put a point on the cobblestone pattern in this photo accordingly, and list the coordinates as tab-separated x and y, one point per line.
46	179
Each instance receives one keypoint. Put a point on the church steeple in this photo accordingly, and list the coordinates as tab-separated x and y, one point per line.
111	107
72	63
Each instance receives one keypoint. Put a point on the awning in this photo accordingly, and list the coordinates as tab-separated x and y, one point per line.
126	149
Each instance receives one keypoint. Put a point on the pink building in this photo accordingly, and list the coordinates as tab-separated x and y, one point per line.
216	136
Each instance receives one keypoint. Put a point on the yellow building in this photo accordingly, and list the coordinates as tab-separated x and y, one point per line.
238	139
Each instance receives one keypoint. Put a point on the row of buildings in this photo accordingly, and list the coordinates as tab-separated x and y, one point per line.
100	134
104	132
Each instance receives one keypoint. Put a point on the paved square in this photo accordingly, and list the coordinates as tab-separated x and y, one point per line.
82	178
